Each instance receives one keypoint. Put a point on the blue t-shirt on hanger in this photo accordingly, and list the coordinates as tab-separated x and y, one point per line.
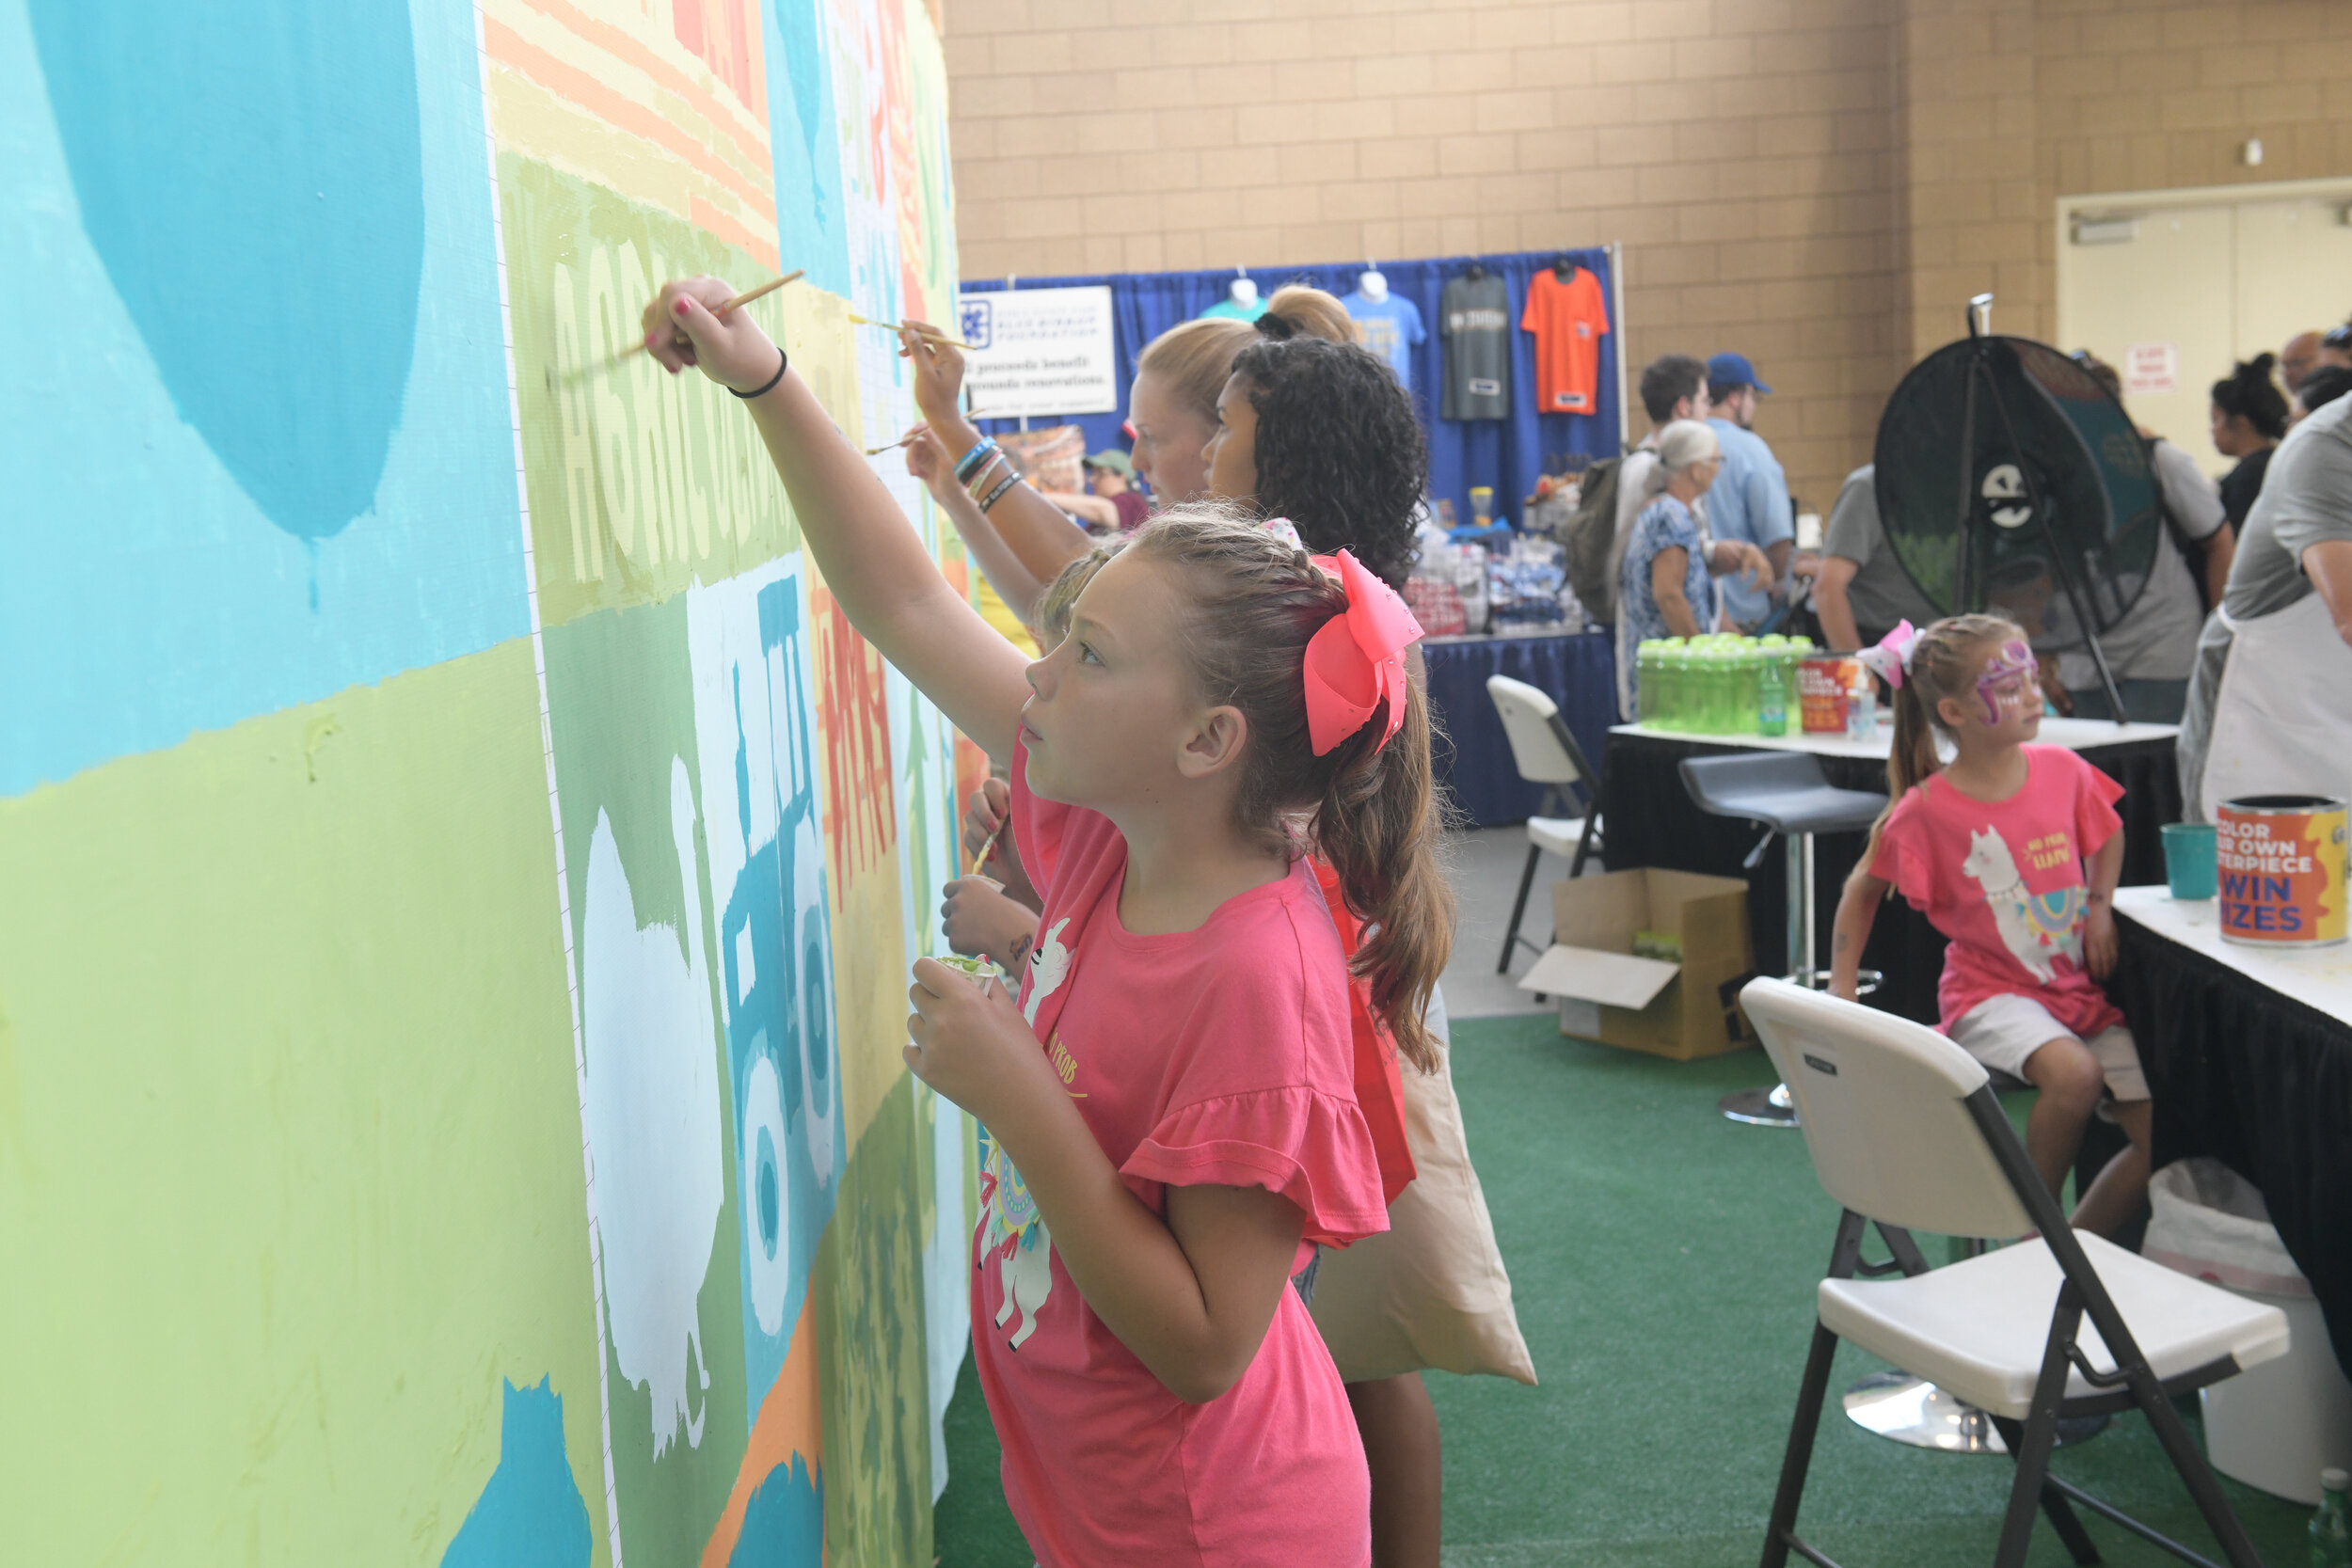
1390	327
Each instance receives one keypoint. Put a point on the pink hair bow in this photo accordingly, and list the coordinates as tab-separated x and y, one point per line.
1891	659
1357	659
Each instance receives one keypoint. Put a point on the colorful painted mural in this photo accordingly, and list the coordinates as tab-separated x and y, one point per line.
461	868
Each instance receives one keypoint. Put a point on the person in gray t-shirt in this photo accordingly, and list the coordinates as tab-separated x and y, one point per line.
2153	648
1863	591
2299	536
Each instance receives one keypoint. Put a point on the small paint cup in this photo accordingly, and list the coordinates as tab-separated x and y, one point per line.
981	970
2189	860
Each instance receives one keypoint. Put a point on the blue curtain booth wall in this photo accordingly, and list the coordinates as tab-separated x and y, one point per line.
1506	453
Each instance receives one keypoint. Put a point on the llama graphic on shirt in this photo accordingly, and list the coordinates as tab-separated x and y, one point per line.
1013	1233
1049	966
2035	927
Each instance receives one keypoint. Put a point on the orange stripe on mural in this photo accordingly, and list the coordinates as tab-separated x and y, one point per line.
790	1422
632	51
703	215
509	48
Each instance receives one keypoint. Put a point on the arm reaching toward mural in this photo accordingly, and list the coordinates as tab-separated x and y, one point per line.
1032	527
929	460
872	562
1193	1295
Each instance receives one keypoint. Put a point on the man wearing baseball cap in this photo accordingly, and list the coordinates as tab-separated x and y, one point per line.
1749	499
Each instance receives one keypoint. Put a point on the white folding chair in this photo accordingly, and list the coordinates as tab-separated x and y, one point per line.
1547	754
1906	1133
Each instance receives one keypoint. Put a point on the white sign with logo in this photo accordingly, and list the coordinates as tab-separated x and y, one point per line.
1040	351
2152	367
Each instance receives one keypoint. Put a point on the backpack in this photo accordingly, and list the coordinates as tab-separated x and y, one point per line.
1591	536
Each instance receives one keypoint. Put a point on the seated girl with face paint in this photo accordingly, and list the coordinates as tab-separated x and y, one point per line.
2012	852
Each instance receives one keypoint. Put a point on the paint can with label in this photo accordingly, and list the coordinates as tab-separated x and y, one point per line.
2281	860
1824	689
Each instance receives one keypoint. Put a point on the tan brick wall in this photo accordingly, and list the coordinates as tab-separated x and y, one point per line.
1819	184
2130	95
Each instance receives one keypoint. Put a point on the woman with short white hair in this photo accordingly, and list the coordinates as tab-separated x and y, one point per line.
1666	587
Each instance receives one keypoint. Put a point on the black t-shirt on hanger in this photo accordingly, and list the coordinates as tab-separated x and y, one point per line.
1474	319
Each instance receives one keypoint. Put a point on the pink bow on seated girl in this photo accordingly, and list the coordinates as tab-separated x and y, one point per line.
1891	660
1356	661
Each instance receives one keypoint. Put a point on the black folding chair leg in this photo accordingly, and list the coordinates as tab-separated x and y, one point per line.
2053	1504
2032	1452
1519	908
1798	1459
2195	1473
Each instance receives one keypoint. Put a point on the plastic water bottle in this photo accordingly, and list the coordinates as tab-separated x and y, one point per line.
1671	663
1862	708
1772	687
2331	1532
1645	678
1751	687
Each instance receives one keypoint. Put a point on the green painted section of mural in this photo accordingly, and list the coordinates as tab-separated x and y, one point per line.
291	1134
640	483
868	1299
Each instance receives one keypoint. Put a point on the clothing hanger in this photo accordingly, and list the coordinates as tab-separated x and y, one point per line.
1477	273
1564	268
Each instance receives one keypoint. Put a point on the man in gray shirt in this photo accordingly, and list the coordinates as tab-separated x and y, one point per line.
2298	538
1863	591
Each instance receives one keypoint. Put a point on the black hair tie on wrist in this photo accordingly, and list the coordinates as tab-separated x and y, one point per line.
781	360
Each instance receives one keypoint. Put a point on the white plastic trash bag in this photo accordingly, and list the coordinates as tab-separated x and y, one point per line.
2210	1222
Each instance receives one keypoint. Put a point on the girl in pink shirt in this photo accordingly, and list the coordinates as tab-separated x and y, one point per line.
1172	1124
2012	852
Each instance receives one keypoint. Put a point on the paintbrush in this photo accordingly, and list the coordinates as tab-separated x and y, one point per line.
934	334
761	292
877	451
986	843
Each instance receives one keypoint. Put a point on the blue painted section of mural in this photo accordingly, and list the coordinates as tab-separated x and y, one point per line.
811	232
784	1527
774	949
264	444
292	371
530	1513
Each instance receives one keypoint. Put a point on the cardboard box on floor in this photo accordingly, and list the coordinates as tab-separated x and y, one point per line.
1683	1011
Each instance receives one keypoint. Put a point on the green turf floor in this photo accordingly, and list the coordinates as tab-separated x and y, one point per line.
1663	1260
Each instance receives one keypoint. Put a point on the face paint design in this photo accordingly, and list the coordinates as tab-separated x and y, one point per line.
2007	679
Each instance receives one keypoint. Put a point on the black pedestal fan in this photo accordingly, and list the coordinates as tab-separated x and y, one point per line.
2009	479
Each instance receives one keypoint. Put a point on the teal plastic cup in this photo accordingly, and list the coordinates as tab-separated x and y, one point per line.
2188	864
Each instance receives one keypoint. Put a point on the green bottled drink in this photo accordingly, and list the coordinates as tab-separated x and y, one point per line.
1674	671
1772	687
1751	687
1645	678
2332	1530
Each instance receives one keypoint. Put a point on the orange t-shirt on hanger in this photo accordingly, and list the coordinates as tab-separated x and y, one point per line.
1569	319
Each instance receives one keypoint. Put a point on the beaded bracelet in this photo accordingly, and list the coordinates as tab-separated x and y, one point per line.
969	466
998	494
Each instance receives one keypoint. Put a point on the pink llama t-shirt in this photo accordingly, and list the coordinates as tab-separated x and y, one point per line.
1222	1055
2005	882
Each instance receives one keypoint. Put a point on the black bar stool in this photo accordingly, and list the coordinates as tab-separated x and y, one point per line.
1791	797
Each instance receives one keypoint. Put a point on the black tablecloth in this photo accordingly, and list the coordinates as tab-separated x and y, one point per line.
2257	1080
1576	671
1649	819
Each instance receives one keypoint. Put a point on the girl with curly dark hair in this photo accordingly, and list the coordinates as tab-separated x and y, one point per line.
1321	432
